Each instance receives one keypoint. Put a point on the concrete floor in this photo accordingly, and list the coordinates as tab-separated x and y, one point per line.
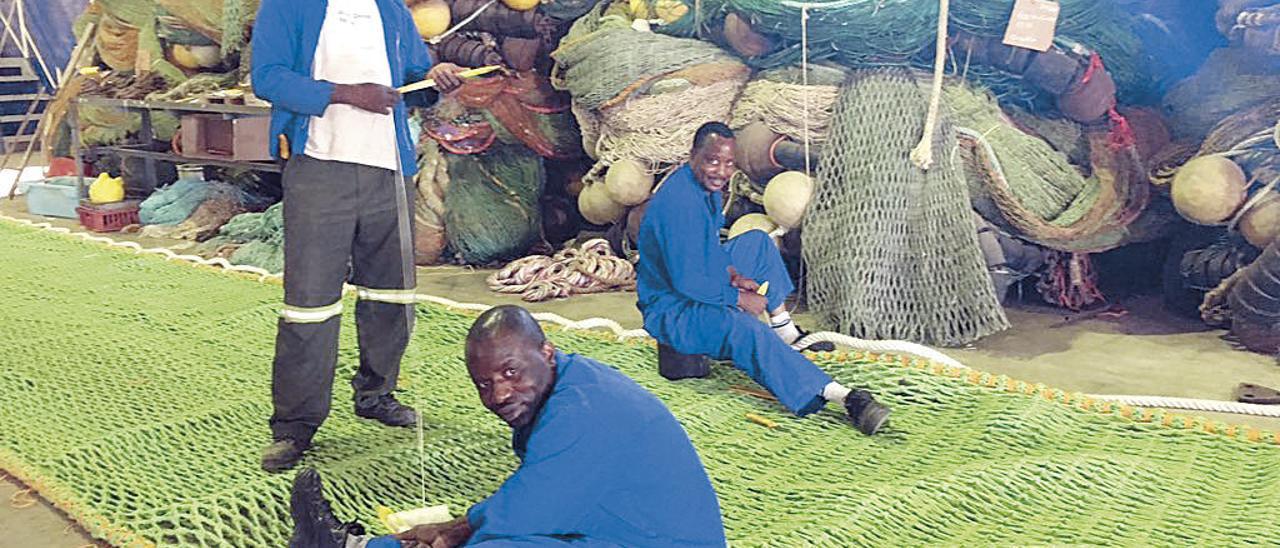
1146	352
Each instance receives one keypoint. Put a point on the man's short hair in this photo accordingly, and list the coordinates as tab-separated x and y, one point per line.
708	130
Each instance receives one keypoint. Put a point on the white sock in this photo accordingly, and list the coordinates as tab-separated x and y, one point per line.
835	392
784	327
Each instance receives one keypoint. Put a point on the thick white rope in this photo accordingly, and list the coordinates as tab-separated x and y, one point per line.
922	155
889	347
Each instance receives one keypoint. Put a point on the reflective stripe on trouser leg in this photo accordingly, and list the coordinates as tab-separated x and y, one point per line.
392	296
303	314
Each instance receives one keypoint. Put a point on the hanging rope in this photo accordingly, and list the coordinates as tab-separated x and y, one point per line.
922	155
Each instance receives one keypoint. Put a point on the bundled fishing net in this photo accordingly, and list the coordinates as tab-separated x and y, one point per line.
222	21
253	239
778	98
515	109
892	250
655	126
196	89
432	182
127	36
602	60
204	222
491	204
590	267
1020	181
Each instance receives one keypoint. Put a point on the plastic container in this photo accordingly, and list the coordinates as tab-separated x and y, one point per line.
56	197
108	217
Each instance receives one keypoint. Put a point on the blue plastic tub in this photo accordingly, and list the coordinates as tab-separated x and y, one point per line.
56	197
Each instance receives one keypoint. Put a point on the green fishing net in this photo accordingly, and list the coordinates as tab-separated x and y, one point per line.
138	400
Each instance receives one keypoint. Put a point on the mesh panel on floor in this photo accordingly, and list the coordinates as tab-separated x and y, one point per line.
135	394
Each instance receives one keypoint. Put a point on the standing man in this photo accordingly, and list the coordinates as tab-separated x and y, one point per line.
330	70
602	461
701	297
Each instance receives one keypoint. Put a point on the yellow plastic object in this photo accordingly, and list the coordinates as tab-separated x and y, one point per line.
521	5
106	190
399	522
764	288
465	74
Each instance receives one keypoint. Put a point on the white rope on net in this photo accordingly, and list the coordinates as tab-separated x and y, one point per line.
622	334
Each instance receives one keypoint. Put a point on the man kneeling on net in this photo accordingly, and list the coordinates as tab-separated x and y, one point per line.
702	298
602	461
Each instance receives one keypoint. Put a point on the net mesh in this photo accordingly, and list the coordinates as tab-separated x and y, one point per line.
779	99
138	401
891	249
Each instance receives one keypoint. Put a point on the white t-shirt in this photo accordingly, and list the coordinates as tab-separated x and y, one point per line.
353	50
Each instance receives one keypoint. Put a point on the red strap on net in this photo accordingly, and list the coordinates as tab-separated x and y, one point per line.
1121	134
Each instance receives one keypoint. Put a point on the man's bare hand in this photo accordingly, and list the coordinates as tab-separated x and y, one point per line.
374	98
752	302
440	535
742	283
446	77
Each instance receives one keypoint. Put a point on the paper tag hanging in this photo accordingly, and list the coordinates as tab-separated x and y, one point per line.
1032	24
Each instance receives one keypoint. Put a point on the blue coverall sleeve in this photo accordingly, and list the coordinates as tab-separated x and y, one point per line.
553	490
417	59
276	36
695	260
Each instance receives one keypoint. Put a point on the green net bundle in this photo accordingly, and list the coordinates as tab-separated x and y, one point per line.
602	59
253	239
1043	180
491	204
851	32
223	21
891	249
1022	183
779	99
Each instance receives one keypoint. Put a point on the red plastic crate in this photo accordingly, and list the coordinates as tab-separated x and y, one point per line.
108	217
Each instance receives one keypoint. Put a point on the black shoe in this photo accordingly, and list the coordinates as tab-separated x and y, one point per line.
820	346
388	411
314	525
866	414
283	454
674	366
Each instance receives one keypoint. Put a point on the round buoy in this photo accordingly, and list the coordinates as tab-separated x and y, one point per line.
182	57
1208	190
1261	223
628	183
786	198
521	5
752	221
597	208
431	17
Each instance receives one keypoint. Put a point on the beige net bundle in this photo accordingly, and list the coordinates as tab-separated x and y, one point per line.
655	127
780	100
639	95
432	181
892	250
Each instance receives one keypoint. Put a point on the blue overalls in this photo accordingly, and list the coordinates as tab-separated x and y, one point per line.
689	304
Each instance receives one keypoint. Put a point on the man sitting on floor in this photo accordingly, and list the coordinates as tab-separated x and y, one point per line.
602	460
699	297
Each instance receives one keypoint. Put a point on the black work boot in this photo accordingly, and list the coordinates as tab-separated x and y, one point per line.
866	414
820	346
283	454
314	525
386	410
674	366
